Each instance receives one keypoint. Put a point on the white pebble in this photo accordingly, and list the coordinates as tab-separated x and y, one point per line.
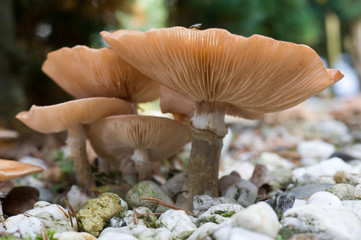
324	198
76	197
53	209
74	236
331	222
237	233
324	171
353	206
178	222
316	150
259	217
21	226
111	233
357	191
204	231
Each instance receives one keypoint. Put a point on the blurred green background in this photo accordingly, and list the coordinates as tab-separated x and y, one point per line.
31	28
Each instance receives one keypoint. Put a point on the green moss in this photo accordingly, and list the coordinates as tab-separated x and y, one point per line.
50	234
286	233
9	238
228	214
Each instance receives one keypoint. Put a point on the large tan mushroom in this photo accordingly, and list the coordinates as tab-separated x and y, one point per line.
73	116
145	140
223	73
10	169
85	72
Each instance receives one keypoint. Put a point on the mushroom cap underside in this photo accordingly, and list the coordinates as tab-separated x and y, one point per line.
173	102
60	117
85	72
115	138
10	169
250	76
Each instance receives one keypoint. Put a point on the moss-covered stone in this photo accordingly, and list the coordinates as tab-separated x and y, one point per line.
286	233
96	213
144	217
147	189
343	191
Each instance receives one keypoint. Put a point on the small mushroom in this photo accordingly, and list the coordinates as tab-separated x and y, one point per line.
10	169
85	72
146	140
72	116
223	73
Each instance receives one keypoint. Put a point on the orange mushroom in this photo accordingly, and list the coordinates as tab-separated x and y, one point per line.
223	73
10	169
85	72
145	140
73	116
171	101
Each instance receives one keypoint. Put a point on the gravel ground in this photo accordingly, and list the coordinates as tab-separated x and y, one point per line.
292	175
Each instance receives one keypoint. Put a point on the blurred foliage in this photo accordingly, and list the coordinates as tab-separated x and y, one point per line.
62	160
295	20
142	15
36	27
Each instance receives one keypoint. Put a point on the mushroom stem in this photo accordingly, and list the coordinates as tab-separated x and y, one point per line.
77	145
134	107
142	163
208	131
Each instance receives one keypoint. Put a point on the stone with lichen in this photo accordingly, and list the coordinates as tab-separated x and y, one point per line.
218	214
96	213
147	189
140	216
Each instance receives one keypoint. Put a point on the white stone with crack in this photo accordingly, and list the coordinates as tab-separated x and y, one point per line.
178	222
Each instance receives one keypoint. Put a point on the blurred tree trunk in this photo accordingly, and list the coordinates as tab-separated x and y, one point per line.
12	99
356	51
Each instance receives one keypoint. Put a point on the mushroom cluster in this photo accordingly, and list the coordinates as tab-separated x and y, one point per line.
200	75
105	85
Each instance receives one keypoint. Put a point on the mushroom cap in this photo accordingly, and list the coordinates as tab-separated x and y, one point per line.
251	76
10	169
173	102
85	72
60	117
114	138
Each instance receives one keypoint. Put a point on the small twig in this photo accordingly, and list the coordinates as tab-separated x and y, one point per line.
73	212
165	204
43	232
2	215
145	214
70	208
66	215
27	215
135	219
71	219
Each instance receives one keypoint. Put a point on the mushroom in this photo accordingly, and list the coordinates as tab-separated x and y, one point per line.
10	169
85	72
72	116
171	101
223	73
146	140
